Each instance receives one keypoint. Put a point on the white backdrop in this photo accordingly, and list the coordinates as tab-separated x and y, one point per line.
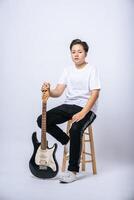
34	46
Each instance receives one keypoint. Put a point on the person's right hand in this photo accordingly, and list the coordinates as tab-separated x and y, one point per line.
46	89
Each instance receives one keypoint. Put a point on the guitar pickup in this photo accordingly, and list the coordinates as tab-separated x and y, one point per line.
43	167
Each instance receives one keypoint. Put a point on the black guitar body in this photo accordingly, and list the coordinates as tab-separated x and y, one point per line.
46	172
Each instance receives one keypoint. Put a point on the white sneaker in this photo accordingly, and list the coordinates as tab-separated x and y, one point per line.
68	177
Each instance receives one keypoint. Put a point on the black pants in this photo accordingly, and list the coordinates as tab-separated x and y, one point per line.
61	114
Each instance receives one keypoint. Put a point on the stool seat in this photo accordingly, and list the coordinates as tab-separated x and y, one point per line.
88	150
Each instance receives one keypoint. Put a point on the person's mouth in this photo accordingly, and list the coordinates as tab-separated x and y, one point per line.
76	59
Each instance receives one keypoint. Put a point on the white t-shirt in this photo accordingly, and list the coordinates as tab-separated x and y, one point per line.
79	83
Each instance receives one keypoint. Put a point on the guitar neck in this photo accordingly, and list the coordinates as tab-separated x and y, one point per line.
43	130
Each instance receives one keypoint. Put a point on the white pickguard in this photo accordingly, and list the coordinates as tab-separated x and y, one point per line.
44	158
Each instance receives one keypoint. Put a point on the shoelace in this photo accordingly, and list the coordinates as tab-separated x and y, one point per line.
68	174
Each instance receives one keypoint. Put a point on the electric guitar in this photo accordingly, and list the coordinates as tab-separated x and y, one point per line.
43	162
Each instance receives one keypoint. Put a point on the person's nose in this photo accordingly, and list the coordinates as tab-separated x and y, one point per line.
76	55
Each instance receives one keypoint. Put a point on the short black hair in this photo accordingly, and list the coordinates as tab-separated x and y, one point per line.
78	41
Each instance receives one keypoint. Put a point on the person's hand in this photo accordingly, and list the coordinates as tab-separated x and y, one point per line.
46	90
45	86
78	116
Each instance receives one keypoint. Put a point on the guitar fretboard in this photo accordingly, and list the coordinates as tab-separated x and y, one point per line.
43	130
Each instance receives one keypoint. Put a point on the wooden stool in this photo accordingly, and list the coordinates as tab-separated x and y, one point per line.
87	141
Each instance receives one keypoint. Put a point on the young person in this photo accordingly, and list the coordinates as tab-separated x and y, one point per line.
82	85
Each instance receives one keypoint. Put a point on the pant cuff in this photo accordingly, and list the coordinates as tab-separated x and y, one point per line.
74	169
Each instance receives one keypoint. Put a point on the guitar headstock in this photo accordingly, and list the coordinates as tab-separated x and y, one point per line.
45	94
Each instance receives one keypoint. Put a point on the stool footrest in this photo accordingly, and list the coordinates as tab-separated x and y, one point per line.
87	161
87	140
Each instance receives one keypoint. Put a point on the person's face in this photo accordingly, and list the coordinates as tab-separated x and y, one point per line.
78	54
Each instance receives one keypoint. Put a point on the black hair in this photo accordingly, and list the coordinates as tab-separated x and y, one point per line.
78	41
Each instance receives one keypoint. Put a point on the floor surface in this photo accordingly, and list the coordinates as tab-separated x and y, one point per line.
114	181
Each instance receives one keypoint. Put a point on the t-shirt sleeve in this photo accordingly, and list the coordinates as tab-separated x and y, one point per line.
94	81
63	77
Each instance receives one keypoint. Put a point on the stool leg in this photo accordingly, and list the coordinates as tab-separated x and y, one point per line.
64	161
83	153
92	150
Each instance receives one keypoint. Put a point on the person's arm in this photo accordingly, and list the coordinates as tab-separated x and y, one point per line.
80	115
56	92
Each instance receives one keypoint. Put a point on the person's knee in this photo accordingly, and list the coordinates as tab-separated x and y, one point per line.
39	119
